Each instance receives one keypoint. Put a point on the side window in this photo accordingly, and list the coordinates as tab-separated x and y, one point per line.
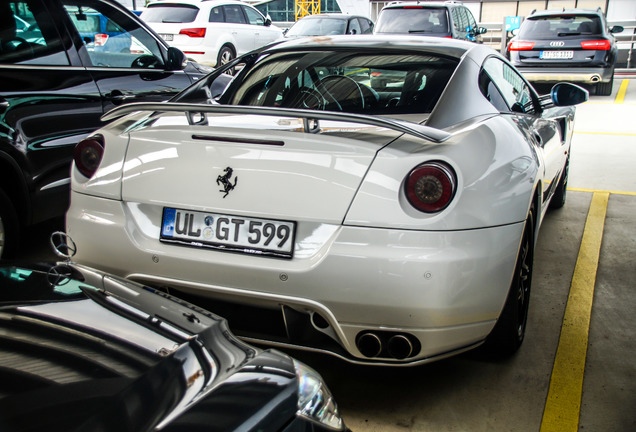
471	19
28	35
354	27
234	14
216	14
463	19
254	17
111	38
514	90
365	25
457	19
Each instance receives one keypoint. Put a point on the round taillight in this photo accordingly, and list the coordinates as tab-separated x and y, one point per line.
431	187
88	154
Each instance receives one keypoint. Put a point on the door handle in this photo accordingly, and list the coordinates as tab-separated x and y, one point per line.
118	97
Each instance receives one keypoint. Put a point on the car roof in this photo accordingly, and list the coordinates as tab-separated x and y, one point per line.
550	12
442	46
331	15
399	4
196	2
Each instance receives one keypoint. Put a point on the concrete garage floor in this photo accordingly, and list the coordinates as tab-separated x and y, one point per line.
589	383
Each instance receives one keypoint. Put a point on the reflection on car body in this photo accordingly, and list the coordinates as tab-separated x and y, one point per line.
83	350
413	175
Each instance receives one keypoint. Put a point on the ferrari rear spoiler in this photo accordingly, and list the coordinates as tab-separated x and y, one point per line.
196	114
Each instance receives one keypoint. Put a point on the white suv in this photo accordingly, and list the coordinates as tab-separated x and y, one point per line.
211	32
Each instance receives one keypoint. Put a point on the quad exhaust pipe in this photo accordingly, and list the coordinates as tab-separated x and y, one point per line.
398	346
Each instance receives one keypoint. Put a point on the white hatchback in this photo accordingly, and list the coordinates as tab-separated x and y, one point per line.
211	32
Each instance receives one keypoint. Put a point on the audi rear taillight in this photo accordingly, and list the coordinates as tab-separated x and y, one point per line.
88	154
193	32
601	45
101	39
520	46
431	187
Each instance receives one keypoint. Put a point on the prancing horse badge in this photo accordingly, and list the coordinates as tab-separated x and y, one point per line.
225	181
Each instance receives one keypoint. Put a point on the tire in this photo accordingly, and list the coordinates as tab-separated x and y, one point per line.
509	332
226	54
558	199
9	228
605	89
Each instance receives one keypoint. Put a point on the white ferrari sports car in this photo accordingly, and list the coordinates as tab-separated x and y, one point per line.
377	199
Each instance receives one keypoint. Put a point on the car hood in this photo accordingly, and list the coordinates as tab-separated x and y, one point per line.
103	351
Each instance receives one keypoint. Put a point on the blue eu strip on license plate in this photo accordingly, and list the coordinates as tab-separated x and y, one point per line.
233	233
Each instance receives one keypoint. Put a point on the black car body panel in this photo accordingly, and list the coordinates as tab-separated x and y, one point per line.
55	85
82	350
566	45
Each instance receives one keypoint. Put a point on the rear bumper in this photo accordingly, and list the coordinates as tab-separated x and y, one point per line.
444	290
576	75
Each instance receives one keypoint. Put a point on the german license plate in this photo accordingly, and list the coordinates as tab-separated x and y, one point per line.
228	232
556	54
167	37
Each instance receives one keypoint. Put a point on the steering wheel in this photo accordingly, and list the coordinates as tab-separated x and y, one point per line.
146	61
311	99
341	92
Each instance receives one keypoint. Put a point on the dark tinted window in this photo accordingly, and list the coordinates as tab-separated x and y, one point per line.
563	25
366	25
170	13
234	14
413	20
354	27
350	82
37	43
216	14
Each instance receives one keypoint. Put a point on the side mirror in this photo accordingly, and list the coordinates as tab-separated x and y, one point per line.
482	30
353	31
268	21
176	59
566	94
617	29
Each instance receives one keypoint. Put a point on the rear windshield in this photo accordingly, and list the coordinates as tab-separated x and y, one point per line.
318	27
414	19
170	13
345	81
559	26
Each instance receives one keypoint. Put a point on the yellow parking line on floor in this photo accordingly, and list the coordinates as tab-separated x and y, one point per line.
620	96
563	404
604	191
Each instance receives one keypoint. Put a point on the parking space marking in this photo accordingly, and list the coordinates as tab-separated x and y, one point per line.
605	133
620	96
563	404
604	191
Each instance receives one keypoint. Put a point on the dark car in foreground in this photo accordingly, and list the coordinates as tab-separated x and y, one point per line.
440	19
56	80
85	351
330	24
573	45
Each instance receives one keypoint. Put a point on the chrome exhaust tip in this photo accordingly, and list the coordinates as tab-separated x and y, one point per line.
595	78
400	347
369	344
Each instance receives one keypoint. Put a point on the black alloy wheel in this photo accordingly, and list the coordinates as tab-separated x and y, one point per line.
509	332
